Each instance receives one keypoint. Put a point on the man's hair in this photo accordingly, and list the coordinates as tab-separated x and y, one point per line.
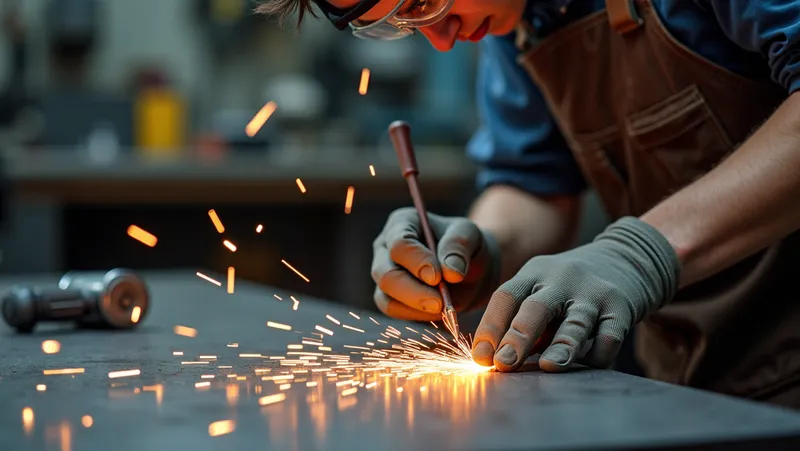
282	9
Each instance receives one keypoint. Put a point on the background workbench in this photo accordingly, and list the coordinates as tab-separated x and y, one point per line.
162	410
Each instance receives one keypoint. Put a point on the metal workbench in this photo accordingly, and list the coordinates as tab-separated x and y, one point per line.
161	409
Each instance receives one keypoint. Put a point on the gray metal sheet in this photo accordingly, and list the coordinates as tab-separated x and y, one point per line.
530	410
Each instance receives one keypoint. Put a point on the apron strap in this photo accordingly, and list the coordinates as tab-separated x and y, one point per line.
623	16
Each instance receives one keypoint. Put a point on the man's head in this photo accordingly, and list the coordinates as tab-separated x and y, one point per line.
460	20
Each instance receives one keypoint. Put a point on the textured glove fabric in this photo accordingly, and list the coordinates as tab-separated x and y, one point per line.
600	290
407	273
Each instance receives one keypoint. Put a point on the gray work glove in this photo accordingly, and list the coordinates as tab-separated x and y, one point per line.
407	273
600	289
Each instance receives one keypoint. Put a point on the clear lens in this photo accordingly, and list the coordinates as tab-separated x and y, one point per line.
420	13
383	32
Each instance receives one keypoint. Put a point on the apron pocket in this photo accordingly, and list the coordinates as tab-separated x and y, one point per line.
594	152
673	143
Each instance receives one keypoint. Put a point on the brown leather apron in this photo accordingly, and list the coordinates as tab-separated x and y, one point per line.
645	116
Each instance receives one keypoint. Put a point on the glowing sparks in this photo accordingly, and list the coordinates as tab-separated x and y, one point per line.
51	346
231	277
232	247
143	236
124	373
185	331
177	352
194	363
27	420
354	315
277	297
284	387
363	85
209	279
279	326
372	170
62	371
41	387
349	391
271	399
202	384
323	330
217	223
373	320
260	119
353	328
207	357
295	303
301	186
294	346
87	421
233	345
136	314
311	384
259	228
324	348
333	320
399	389
250	356
218	428
348	201
370	385
295	270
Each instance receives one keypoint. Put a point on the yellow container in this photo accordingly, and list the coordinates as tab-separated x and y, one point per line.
160	122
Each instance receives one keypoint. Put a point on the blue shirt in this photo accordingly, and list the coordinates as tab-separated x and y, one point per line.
519	144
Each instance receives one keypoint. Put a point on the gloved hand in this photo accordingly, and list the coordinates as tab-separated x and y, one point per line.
600	289
407	273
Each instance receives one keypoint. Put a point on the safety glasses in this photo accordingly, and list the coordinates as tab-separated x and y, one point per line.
400	22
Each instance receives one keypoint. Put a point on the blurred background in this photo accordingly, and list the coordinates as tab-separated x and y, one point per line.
118	112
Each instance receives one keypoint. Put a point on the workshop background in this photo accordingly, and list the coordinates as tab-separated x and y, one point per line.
118	112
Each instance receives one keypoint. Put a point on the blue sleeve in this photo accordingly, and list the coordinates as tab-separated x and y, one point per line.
770	27
518	142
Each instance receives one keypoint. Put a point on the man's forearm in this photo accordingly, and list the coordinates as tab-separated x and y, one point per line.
525	225
745	204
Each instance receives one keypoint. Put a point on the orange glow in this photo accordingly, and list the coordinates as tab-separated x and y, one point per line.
143	236
87	421
218	428
185	331
295	271
136	313
259	228
27	420
215	219
229	245
363	86
260	119
271	399
51	346
279	326
295	303
231	276
209	279
348	202
372	170
125	373
64	371
41	387
202	384
301	186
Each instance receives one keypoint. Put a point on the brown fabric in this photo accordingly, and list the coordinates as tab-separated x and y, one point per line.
645	116
622	16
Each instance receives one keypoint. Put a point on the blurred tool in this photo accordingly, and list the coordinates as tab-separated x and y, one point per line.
400	134
117	299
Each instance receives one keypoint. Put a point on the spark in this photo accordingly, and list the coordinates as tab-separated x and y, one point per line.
27	419
271	399
278	297
334	320
301	186
202	384
323	330
295	271
354	315
372	170
143	236
349	391
250	356
279	326
348	202
217	223
284	386
311	384
423	388
369	343
324	348
434	325
207	357
136	314
177	352
124	373
233	345
294	346
370	385
373	320
412	330
185	331
218	428
41	387
363	85
194	363
295	304
259	228
60	371
87	421
51	346
231	277
353	328
260	119
229	245
209	279
207	376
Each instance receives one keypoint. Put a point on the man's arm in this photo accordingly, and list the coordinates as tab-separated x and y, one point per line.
748	202
525	225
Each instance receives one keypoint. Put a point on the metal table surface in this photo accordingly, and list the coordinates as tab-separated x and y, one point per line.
161	409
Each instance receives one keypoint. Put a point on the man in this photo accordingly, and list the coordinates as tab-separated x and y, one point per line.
682	116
